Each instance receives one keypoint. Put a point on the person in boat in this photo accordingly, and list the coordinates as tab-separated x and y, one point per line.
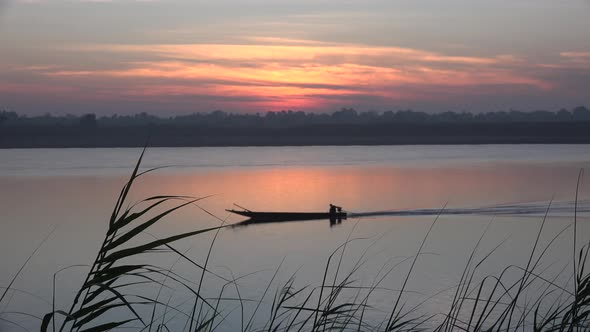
332	214
335	209
335	214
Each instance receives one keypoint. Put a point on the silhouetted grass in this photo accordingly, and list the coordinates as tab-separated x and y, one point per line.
111	295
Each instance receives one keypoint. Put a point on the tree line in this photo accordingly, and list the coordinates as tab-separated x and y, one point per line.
345	116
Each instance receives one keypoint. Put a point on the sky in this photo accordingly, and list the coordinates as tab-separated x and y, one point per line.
182	56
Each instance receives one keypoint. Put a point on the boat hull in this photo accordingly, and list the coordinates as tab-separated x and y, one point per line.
288	216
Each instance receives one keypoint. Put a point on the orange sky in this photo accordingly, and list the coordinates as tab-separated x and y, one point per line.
254	61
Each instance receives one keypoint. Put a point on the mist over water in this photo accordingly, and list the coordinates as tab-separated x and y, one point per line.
119	161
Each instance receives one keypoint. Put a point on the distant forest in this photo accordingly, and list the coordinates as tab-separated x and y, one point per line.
290	128
294	118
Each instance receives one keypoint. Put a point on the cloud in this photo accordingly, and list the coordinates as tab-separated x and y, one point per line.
285	51
579	59
277	73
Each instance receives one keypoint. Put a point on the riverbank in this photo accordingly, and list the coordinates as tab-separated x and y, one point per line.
375	134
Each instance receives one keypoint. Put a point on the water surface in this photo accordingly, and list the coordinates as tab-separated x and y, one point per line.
75	189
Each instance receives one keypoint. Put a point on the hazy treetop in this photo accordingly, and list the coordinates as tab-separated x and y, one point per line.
294	118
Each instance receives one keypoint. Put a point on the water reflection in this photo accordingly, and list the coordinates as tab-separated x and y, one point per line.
361	189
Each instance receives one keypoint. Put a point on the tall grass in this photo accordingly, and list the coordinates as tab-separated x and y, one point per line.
112	295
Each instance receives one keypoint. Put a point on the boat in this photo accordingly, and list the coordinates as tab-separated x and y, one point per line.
260	217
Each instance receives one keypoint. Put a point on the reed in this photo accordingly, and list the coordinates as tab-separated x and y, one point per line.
111	296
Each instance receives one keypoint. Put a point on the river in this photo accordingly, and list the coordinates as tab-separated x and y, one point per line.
69	194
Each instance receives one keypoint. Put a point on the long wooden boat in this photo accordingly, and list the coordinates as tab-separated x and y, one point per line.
288	216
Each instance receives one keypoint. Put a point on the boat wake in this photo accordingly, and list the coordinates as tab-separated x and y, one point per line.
563	209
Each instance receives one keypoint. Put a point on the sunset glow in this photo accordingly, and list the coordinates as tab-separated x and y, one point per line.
252	71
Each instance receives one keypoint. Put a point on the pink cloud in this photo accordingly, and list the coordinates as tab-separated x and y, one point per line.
281	73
